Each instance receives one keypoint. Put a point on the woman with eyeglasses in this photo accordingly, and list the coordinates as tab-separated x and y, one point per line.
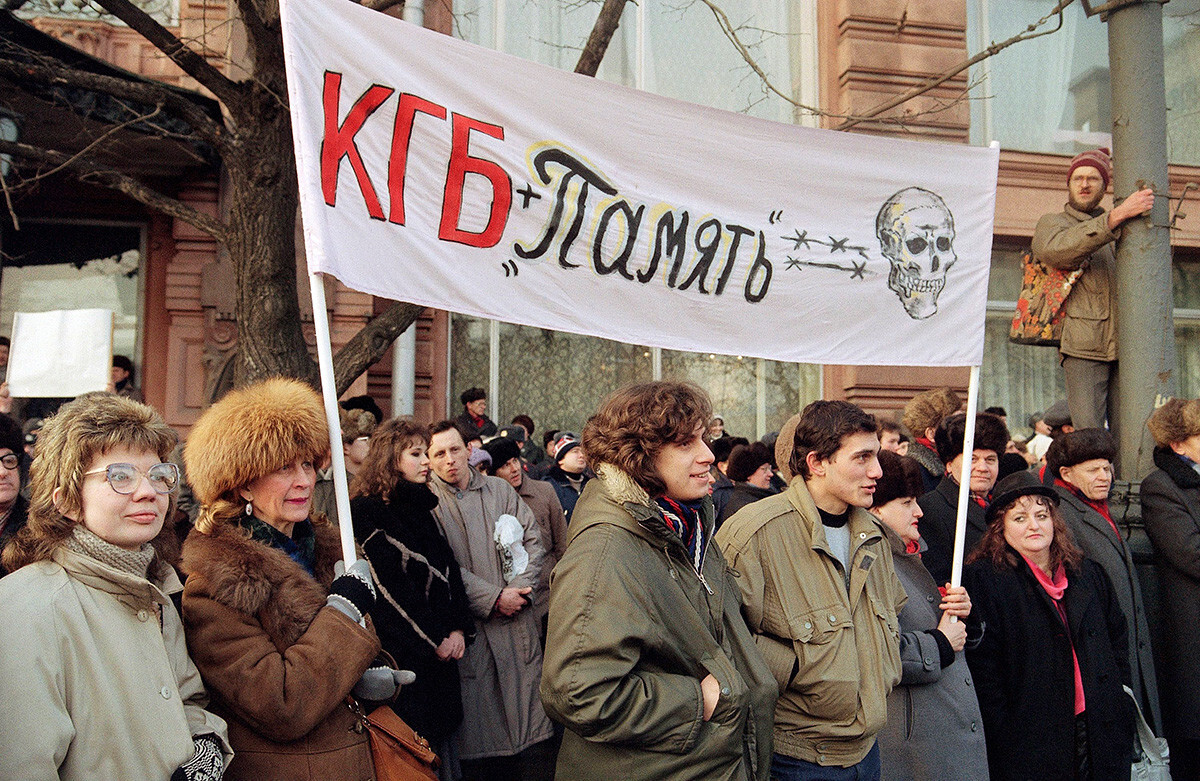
281	642
94	670
13	507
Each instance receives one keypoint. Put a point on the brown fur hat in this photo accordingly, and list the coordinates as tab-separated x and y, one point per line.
251	432
356	423
1175	421
928	409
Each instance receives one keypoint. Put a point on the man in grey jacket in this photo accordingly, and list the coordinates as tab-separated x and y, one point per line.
505	732
1082	236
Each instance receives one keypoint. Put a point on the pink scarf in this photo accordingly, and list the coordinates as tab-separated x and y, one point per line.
1056	587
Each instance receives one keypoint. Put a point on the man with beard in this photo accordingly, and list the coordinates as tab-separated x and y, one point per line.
1082	236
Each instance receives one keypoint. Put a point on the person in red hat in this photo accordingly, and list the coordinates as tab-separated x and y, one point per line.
1082	236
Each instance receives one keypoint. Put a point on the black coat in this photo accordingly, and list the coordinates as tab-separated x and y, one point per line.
1095	536
937	528
16	522
567	495
471	430
420	601
1171	511
739	496
1025	677
932	468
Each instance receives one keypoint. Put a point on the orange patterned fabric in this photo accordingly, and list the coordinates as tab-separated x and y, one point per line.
1039	315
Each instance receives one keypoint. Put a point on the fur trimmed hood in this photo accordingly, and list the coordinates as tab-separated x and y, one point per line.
256	579
621	487
251	432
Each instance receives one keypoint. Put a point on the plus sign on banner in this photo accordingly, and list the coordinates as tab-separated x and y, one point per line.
440	173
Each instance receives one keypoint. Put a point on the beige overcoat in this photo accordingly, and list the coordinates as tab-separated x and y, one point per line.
501	670
94	685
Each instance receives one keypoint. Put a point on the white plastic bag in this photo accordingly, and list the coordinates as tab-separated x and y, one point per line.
514	560
1151	755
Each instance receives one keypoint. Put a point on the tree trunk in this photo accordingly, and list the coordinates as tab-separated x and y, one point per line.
261	202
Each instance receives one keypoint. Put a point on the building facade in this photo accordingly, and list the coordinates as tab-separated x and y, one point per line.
1043	100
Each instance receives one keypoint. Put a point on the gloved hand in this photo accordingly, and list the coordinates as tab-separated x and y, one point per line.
352	592
381	682
207	764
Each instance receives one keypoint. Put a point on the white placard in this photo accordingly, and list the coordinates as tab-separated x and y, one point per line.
448	175
60	354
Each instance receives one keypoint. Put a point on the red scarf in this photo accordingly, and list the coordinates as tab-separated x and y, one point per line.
1056	587
1100	506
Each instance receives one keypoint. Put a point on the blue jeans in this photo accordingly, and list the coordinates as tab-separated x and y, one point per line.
790	769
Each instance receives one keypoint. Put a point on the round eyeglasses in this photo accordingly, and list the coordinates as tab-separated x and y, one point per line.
10	461
125	478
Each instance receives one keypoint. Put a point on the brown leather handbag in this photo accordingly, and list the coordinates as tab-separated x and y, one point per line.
398	753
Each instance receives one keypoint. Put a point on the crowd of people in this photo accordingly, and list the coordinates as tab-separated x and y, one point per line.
652	598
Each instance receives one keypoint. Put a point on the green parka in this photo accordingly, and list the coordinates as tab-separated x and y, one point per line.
633	629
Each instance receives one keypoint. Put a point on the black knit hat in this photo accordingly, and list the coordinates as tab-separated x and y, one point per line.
502	450
564	443
1015	486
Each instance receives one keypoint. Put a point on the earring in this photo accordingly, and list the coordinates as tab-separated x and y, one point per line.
249	509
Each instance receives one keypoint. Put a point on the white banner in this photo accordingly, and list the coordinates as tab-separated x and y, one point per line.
448	175
60	354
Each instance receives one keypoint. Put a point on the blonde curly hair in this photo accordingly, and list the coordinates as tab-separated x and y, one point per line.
1175	421
69	442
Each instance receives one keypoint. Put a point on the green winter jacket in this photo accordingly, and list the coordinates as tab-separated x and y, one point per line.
633	629
1073	239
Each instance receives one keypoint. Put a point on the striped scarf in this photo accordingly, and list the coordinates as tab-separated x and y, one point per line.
683	518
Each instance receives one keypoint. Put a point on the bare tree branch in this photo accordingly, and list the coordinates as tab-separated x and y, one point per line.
731	32
600	37
188	59
88	171
1027	34
370	343
83	153
206	127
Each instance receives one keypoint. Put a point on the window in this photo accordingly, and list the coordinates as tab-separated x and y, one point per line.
52	265
165	11
1052	94
669	48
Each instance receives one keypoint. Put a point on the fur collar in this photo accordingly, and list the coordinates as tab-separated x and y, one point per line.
926	458
621	487
233	570
1180	472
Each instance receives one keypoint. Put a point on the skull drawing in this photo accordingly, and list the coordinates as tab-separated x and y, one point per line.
916	234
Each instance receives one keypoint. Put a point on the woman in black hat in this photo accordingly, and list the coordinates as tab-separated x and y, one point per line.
1053	658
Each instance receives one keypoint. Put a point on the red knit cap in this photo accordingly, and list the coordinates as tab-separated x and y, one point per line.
1095	158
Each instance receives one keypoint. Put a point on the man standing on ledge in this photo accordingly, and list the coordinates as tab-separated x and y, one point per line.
1082	236
820	596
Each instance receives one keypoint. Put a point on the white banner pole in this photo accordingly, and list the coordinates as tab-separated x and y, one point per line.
964	479
341	490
